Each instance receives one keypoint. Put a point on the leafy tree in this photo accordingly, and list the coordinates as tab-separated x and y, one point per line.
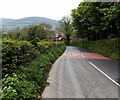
96	20
39	32
17	35
46	26
31	33
65	26
86	21
111	19
48	30
32	36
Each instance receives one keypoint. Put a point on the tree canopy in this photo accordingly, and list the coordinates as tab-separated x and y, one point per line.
97	20
32	33
40	32
65	26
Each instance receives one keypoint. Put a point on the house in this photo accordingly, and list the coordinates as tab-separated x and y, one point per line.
57	37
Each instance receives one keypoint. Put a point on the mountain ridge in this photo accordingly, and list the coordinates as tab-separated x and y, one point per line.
11	24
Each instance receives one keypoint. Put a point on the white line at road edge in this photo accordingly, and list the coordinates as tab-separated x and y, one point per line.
105	75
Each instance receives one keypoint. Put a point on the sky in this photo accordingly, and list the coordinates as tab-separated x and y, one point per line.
53	9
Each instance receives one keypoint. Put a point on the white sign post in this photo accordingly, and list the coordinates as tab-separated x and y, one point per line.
56	35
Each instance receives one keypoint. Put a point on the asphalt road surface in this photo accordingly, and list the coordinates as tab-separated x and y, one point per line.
80	73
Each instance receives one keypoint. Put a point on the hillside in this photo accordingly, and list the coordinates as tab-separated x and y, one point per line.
10	24
5	20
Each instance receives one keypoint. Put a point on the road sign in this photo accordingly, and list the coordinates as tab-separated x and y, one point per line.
56	35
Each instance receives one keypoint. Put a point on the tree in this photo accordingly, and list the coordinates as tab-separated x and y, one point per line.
35	34
18	35
46	26
48	30
96	20
65	26
40	33
111	19
86	21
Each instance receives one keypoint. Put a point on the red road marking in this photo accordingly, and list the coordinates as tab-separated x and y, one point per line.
94	56
86	56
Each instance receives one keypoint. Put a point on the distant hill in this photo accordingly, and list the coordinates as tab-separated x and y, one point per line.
10	24
5	20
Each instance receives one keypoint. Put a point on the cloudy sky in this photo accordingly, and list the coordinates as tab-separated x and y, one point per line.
54	9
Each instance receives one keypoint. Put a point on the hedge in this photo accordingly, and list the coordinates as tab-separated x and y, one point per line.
16	53
109	48
29	80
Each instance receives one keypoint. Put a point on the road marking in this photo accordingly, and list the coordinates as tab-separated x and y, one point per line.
71	54
82	55
105	74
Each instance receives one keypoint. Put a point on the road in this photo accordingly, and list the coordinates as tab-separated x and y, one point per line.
80	73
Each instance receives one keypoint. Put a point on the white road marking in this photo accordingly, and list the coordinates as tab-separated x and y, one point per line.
82	55
71	54
105	74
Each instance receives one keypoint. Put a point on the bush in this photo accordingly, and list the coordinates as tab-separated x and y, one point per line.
16	86
31	79
16	53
